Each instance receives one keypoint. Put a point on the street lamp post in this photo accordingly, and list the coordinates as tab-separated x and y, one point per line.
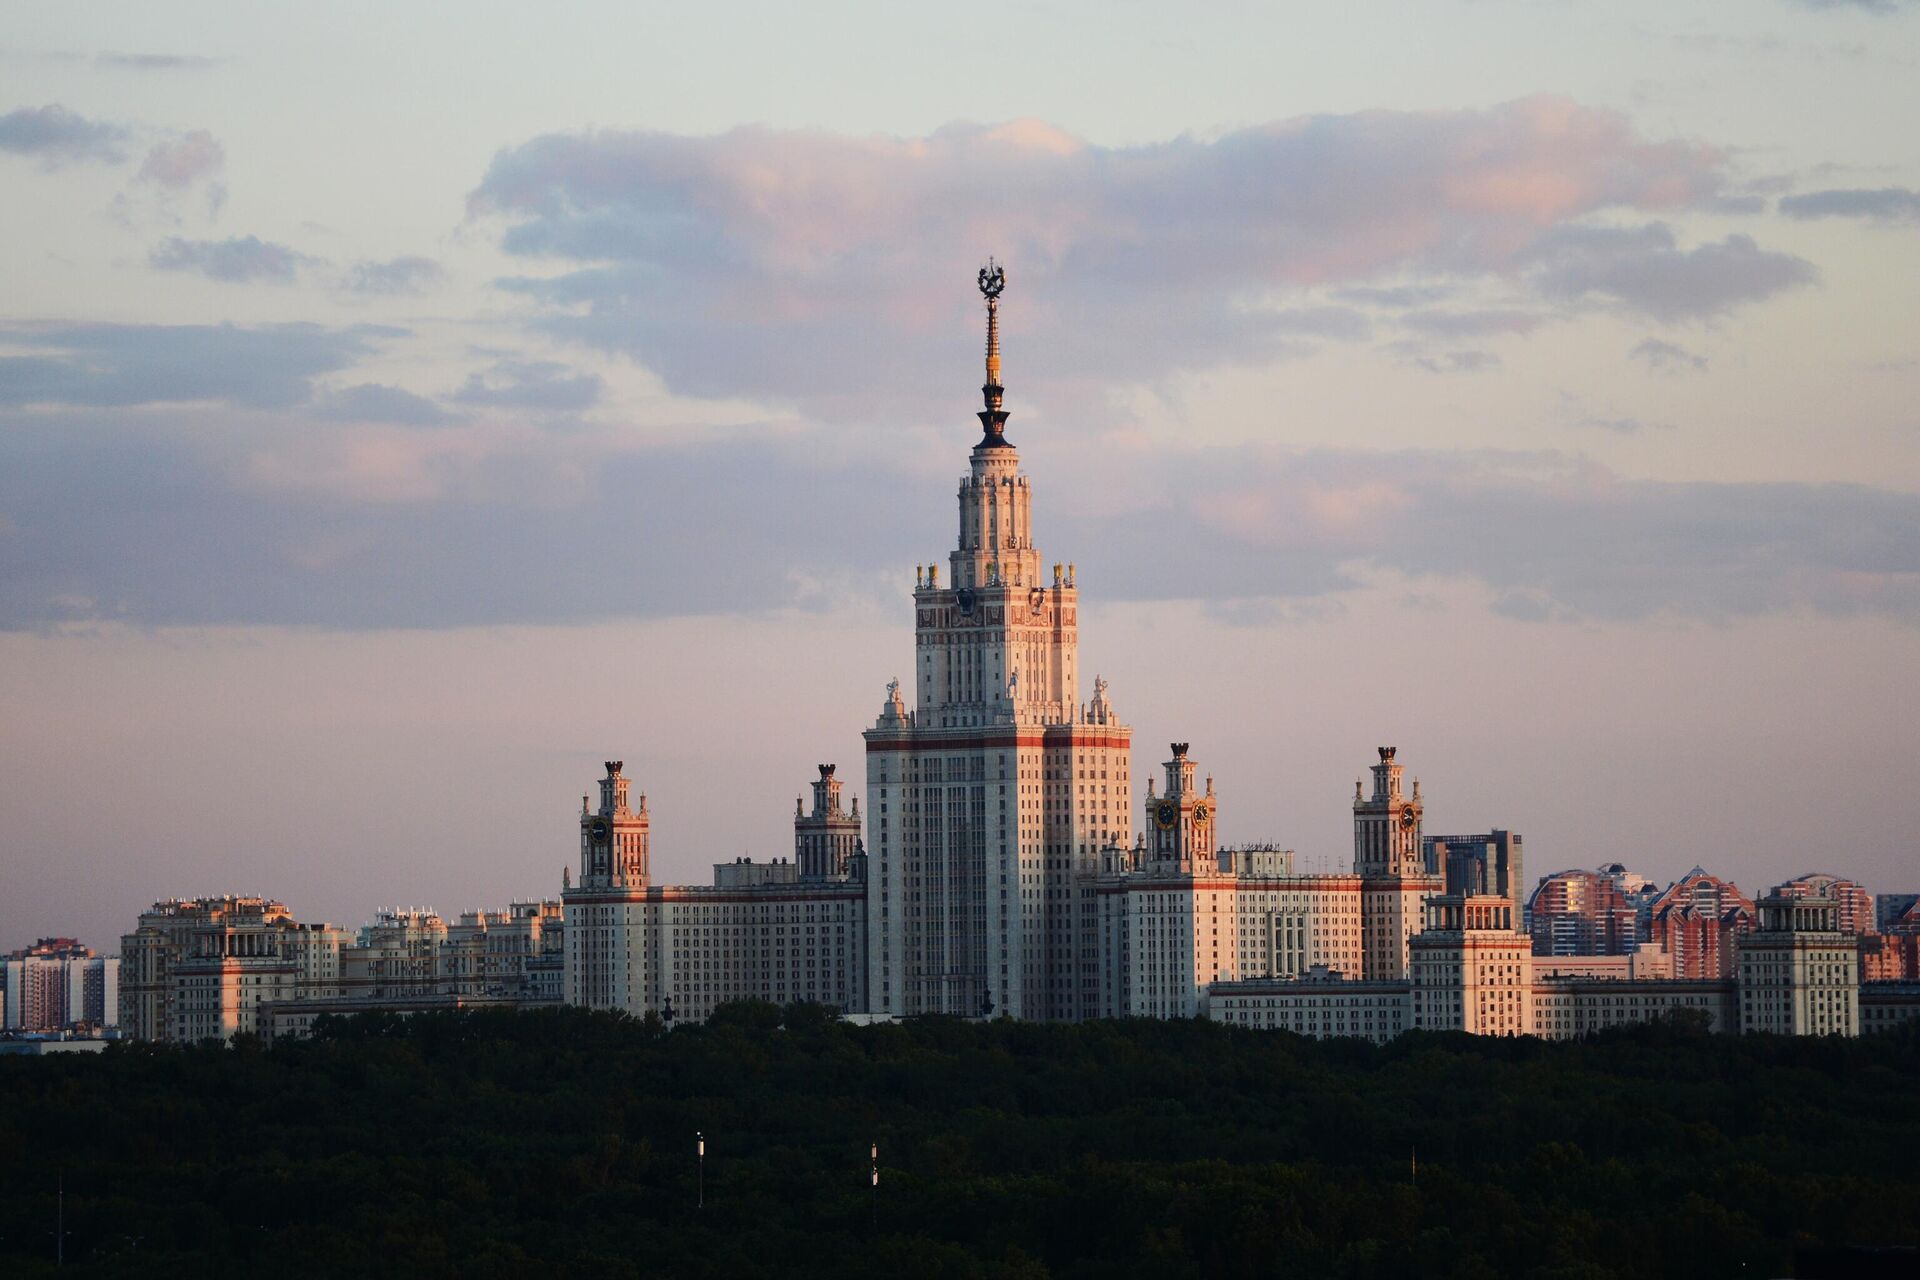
700	1154
873	1205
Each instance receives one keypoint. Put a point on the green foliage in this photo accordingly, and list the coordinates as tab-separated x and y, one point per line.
561	1141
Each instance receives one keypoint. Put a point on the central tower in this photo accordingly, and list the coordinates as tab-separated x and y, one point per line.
988	803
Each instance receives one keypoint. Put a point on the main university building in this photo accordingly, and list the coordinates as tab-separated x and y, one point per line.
998	871
1001	872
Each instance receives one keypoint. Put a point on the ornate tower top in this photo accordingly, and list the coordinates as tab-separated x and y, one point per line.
993	419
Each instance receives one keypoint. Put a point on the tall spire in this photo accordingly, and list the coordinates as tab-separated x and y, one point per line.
993	279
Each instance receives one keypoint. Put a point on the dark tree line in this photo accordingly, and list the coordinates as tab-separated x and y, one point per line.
562	1142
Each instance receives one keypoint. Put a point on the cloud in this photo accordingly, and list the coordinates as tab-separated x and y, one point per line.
236	260
1618	426
1454	361
403	275
1667	357
1574	538
183	161
55	136
125	365
1473	324
529	384
156	61
169	520
1867	6
1404	295
376	402
1642	269
1884	204
769	263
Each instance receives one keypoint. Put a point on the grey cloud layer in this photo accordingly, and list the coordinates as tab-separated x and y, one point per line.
102	519
407	274
529	384
235	260
769	264
55	135
126	365
1881	204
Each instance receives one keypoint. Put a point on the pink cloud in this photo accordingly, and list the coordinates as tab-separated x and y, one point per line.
184	161
767	262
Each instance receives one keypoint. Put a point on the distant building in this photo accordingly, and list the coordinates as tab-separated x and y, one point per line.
214	968
57	985
1799	971
1582	913
1697	920
782	931
1896	912
1323	1004
1478	865
1472	968
1885	1005
1567	1006
1851	900
1639	891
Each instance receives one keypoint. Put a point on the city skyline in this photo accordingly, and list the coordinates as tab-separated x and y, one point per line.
1558	432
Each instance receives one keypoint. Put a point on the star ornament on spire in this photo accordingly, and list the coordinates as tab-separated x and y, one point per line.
993	420
993	280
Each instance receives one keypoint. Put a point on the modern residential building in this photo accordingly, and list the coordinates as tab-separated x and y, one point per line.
1697	920
58	985
213	968
1895	912
1582	913
1853	904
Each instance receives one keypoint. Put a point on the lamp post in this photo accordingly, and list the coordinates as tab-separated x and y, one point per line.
700	1184
873	1204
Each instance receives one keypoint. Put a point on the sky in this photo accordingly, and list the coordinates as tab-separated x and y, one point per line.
404	409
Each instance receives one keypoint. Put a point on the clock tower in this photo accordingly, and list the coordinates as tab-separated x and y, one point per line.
1394	885
1181	822
1386	825
613	838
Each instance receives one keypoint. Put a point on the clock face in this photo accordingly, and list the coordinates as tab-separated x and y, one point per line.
1200	815
600	827
1035	599
1408	818
964	598
1166	814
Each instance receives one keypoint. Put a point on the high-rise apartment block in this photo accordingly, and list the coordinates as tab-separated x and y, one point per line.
58	985
1697	921
1582	913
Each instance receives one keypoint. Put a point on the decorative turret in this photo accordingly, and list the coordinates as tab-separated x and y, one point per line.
826	840
1386	825
613	840
1182	821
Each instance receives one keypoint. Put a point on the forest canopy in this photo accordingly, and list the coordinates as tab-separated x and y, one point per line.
563	1140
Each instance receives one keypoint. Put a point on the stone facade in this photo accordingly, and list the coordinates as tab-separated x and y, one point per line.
781	931
1799	973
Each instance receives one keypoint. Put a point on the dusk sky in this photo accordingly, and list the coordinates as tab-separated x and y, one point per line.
404	409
